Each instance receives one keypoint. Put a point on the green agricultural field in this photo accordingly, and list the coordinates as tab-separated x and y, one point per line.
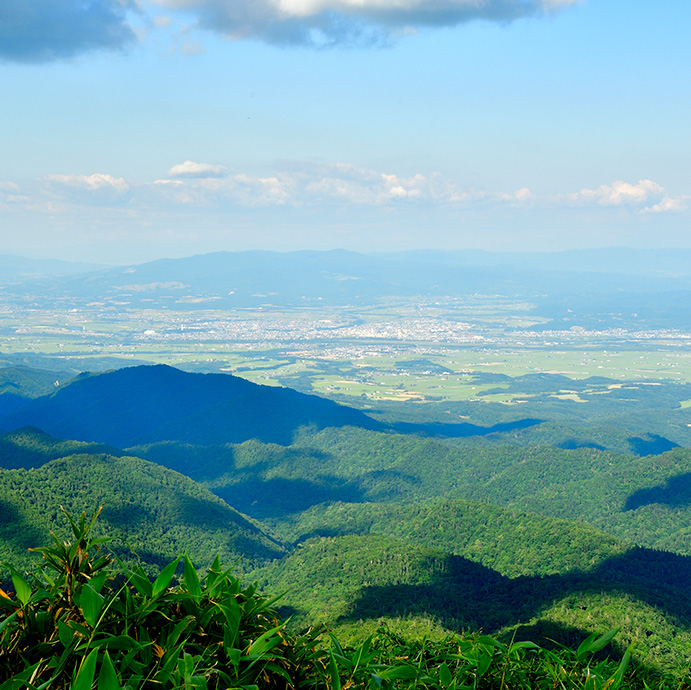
388	351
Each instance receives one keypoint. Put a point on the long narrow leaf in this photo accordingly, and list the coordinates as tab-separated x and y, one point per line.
162	582
107	677
87	670
333	672
191	578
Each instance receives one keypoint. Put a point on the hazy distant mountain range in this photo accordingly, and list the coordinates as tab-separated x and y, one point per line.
591	288
594	289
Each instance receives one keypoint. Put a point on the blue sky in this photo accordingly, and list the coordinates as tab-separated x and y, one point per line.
137	130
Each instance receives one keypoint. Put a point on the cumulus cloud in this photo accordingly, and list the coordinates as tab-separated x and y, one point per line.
300	184
621	193
322	23
196	170
309	184
44	30
98	188
645	196
520	196
669	204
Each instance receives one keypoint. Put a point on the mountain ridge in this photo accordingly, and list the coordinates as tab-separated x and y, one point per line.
146	404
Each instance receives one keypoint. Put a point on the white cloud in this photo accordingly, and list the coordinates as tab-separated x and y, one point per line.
644	196
304	184
309	184
340	22
97	181
669	204
520	196
621	193
96	189
197	170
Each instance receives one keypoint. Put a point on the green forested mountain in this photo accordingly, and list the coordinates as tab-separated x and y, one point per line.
30	447
358	582
29	382
425	567
146	404
645	500
363	524
507	541
154	513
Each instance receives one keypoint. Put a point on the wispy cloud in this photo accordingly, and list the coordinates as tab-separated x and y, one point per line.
300	184
323	23
191	169
96	189
45	30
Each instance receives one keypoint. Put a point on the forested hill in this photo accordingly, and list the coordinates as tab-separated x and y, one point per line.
147	404
153	513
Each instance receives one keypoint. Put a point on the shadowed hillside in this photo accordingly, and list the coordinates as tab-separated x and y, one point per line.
148	404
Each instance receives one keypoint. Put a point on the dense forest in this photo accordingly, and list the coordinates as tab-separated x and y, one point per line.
389	532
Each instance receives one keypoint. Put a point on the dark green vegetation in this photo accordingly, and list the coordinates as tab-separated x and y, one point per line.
148	509
78	622
429	525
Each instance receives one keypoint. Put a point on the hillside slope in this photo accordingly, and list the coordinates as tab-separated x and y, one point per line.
151	511
146	404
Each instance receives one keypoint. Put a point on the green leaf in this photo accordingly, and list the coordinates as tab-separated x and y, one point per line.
191	578
484	662
618	677
91	603
145	642
181	627
265	642
65	634
163	581
107	677
333	672
445	676
5	621
139	579
593	644
98	581
20	587
399	673
87	670
119	642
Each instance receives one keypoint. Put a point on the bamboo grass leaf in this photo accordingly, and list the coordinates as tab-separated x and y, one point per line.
163	581
21	587
333	673
87	670
91	603
445	676
265	642
618	678
107	677
5	621
593	644
191	578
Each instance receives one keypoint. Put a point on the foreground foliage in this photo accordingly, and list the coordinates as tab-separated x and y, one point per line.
84	621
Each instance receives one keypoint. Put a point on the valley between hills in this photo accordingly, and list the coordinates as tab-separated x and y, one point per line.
478	488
